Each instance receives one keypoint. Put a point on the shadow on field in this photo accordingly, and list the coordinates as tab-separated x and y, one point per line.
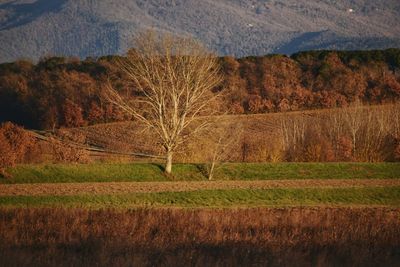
224	255
158	166
200	237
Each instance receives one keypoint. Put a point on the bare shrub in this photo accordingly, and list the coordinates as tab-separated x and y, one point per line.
375	139
222	140
394	114
293	131
337	134
276	152
353	119
318	148
270	149
266	145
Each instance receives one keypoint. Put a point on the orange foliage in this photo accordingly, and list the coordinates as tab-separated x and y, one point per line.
14	143
95	114
72	114
35	95
66	147
345	148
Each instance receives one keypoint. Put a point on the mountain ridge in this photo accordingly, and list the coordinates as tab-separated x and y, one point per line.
37	28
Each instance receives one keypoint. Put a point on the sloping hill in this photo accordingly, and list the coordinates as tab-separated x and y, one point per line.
30	28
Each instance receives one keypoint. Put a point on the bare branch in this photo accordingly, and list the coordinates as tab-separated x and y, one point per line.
175	77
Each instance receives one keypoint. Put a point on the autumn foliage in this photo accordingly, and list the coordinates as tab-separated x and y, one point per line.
14	144
60	92
66	92
309	80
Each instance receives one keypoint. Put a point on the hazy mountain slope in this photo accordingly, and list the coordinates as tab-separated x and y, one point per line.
30	28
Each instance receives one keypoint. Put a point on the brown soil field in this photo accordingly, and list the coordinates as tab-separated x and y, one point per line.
60	189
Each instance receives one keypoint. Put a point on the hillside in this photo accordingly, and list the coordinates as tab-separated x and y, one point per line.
33	29
315	136
61	92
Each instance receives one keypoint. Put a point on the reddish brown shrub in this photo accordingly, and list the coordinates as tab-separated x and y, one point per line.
66	147
72	115
7	157
397	150
237	108
40	152
66	153
284	105
318	149
345	149
14	143
95	114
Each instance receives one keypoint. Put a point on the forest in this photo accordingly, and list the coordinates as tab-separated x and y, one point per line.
67	92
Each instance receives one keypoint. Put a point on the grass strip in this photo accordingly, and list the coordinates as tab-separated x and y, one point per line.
389	196
125	172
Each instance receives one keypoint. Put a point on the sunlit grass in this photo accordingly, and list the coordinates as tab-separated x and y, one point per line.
125	172
218	198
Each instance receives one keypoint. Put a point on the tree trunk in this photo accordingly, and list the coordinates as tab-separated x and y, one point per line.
211	171
168	165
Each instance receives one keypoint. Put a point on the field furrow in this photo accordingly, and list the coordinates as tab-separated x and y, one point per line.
60	189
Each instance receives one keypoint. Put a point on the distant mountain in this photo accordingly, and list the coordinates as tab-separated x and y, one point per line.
36	28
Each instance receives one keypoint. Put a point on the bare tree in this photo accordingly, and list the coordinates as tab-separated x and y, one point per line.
221	141
395	117
353	118
174	77
334	127
293	131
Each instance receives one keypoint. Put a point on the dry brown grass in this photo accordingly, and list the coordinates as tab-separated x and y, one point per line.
175	237
312	136
319	136
103	188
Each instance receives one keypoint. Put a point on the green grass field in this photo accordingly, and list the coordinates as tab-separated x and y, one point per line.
97	172
218	198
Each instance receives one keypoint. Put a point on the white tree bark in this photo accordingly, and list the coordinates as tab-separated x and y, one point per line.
168	164
175	77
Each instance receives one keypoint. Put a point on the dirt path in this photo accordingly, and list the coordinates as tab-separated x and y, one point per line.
60	189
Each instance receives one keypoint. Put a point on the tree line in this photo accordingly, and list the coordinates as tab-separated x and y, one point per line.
67	92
